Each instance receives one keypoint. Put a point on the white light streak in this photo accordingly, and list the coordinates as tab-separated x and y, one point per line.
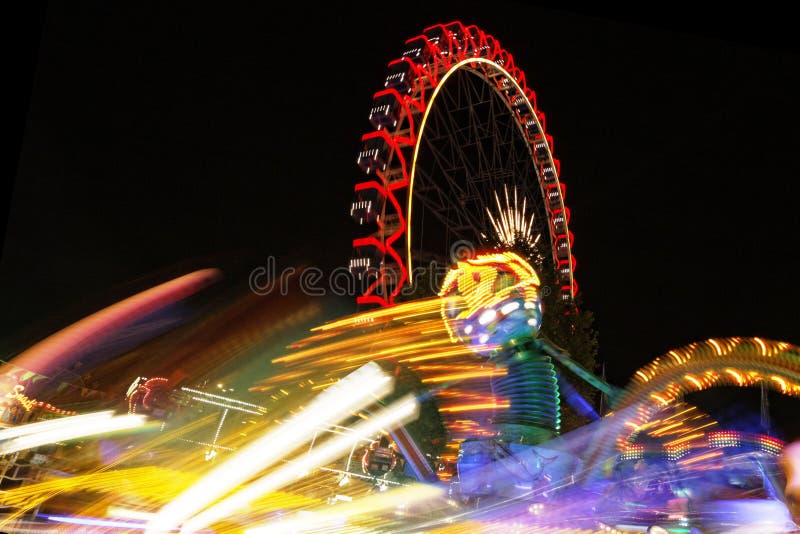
91	427
53	424
398	412
331	406
125	513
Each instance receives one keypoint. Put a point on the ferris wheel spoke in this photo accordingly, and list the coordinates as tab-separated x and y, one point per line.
439	206
479	177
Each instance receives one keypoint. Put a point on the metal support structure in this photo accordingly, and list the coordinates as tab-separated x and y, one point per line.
563	357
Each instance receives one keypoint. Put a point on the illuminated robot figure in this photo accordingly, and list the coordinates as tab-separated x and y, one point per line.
492	303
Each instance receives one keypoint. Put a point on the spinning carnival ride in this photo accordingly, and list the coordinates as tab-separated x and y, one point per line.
458	394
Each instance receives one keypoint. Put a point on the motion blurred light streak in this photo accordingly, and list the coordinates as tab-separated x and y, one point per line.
149	483
474	407
331	406
53	424
91	330
484	373
401	311
94	522
88	428
125	513
411	335
321	518
399	412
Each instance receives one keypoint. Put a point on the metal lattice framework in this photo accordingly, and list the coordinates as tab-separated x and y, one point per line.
455	124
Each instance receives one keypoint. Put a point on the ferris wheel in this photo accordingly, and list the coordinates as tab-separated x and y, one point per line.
458	159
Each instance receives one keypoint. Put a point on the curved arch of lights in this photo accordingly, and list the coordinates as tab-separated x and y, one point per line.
665	381
390	152
732	361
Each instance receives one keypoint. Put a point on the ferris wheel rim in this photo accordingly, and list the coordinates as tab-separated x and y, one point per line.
419	138
428	61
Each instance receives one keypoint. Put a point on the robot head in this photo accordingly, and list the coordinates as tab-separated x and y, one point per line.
491	299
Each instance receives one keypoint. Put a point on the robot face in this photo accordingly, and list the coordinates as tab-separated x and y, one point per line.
490	299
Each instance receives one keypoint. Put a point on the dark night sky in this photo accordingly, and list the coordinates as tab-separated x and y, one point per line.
167	137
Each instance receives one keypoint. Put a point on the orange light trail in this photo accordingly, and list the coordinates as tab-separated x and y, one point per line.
736	375
700	458
474	407
465	376
694	381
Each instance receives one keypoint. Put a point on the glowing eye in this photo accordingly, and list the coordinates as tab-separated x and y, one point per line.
468	329
510	307
487	317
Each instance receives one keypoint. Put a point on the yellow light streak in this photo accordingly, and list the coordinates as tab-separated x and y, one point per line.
780	381
676	357
694	381
685	439
736	375
474	407
762	345
399	412
465	376
320	519
700	458
659	398
331	406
